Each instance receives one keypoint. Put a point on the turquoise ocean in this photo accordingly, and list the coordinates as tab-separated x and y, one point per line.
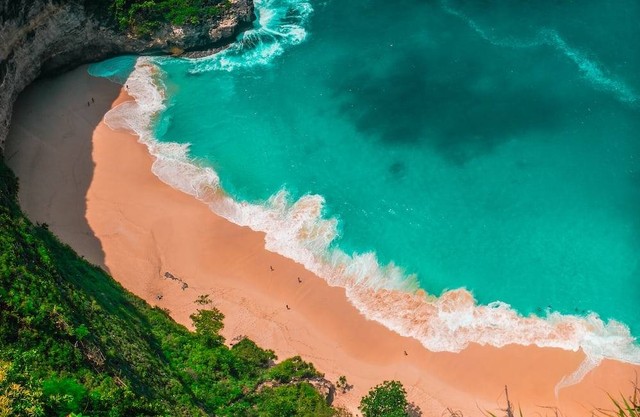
469	149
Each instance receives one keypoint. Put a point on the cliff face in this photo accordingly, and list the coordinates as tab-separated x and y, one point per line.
45	36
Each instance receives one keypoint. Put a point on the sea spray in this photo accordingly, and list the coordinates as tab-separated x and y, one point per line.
279	24
297	230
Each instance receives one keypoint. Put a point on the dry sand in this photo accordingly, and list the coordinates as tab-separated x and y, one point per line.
95	189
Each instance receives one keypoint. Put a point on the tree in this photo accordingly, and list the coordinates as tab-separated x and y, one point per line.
208	324
388	399
252	360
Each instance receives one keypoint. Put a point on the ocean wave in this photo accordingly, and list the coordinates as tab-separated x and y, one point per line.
590	69
297	230
279	24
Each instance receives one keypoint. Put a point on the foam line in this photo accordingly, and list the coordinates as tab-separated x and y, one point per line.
280	24
297	230
589	68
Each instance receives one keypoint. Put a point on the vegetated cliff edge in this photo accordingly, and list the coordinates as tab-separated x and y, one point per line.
44	36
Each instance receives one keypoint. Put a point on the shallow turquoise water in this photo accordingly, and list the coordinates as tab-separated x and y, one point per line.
488	145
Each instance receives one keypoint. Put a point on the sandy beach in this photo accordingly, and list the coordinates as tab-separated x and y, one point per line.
95	189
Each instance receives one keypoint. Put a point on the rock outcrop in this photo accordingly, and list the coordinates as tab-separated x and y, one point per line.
45	36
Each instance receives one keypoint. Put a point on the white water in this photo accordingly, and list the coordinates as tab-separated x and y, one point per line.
384	293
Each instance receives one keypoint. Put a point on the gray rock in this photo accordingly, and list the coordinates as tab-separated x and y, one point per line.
39	37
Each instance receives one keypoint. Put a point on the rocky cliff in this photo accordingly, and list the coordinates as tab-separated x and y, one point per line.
44	36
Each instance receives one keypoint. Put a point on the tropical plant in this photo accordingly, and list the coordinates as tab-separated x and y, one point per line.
388	399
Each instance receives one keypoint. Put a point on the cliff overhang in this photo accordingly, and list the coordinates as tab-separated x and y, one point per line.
40	37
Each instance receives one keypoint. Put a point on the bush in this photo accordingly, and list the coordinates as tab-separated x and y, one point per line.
64	395
252	359
144	17
208	324
388	399
293	368
300	400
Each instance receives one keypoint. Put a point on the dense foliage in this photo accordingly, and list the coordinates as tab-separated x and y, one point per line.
145	16
74	342
388	399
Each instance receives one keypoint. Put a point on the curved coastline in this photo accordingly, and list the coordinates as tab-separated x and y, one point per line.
382	293
142	226
338	339
42	38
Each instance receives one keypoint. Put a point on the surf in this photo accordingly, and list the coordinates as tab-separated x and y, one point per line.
300	229
385	293
279	25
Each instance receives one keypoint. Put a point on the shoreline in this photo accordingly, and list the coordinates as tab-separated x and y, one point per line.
95	189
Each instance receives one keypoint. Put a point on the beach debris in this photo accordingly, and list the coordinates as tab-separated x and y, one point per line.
203	300
343	385
159	297
509	409
169	275
450	412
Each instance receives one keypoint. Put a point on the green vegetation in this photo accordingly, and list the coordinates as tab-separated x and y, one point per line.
388	399
624	406
74	342
143	17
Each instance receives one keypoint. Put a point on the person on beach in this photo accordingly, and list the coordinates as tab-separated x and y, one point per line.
288	308
299	280
271	268
92	100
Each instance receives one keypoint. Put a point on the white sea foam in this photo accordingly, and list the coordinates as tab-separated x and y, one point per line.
297	230
589	67
280	24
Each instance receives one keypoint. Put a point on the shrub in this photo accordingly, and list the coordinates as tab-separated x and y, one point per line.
388	399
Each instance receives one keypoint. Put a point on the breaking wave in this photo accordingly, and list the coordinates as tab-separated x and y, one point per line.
279	24
297	230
